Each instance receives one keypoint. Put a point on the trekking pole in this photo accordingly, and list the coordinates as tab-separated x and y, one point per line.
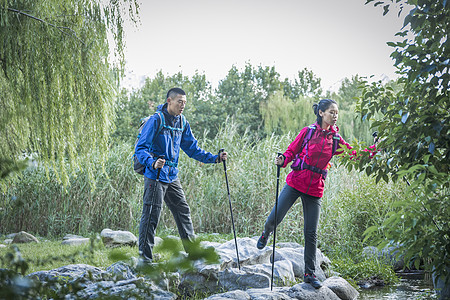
159	169
276	221
153	199
231	210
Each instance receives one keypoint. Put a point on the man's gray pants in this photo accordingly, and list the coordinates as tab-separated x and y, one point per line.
173	195
311	212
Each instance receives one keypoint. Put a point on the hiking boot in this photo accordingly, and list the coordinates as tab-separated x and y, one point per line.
262	242
311	279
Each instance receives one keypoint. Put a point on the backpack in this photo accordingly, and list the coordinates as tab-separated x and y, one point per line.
298	163
137	166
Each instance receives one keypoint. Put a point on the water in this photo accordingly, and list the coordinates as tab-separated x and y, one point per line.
406	289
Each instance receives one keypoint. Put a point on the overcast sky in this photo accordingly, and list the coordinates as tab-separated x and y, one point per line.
333	38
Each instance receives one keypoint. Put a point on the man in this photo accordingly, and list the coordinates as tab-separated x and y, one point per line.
175	134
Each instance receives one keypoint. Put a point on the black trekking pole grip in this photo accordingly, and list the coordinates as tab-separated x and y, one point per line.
278	166
218	159
159	169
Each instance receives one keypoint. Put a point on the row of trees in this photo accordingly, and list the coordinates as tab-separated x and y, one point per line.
261	103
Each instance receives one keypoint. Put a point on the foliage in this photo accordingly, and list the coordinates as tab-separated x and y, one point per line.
133	107
307	85
55	81
37	202
355	270
241	94
415	135
282	115
15	265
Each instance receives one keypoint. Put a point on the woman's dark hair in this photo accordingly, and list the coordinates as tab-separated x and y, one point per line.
323	106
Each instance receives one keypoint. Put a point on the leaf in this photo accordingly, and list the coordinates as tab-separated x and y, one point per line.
431	148
369	232
391	44
378	3
429	68
405	117
389	161
386	9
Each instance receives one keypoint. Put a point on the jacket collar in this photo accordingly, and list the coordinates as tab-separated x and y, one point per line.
333	129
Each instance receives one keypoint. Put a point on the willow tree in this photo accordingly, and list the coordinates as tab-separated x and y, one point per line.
56	87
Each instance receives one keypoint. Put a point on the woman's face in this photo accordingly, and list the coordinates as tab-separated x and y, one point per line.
329	116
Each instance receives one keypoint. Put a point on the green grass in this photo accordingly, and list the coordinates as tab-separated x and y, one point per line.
52	254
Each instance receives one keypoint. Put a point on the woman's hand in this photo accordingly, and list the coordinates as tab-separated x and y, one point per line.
279	160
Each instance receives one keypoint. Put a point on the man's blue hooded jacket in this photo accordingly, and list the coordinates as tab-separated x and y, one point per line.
168	143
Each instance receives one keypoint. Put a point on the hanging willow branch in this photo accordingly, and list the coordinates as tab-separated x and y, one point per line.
57	93
60	28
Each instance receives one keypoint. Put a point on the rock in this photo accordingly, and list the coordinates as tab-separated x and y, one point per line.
158	241
239	295
72	236
248	253
267	294
283	272
90	282
70	273
296	257
76	241
2	246
305	291
121	271
24	237
118	238
11	235
341	288
289	245
235	279
195	282
7	241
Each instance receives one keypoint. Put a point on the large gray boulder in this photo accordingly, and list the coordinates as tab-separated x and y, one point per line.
283	273
248	253
118	281
234	279
118	238
305	291
341	288
23	238
70	273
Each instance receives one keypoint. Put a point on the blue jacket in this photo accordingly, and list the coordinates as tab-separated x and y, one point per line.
168	143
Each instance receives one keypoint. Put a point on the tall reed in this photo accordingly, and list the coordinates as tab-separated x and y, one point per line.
35	202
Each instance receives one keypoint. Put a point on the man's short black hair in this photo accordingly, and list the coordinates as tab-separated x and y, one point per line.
173	92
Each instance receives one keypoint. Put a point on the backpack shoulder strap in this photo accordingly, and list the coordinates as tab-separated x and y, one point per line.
308	135
336	139
183	122
162	123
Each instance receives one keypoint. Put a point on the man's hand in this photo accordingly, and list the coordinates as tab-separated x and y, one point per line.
158	164
223	156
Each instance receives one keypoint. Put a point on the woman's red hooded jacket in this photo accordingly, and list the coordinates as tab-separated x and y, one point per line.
319	155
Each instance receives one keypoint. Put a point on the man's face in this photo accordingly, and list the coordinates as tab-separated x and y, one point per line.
176	105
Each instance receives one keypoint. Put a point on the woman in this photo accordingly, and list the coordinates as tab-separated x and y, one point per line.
311	151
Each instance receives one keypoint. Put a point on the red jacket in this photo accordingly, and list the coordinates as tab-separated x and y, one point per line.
319	155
